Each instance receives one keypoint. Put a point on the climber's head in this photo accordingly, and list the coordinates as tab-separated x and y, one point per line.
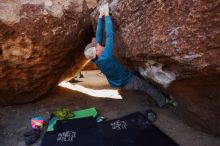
93	49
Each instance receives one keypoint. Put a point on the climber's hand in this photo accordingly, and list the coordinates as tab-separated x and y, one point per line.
101	12
106	9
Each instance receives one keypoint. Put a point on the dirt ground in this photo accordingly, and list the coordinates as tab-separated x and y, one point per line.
15	120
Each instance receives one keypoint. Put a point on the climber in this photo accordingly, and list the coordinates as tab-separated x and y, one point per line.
115	73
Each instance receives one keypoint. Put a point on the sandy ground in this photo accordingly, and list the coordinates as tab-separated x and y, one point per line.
15	120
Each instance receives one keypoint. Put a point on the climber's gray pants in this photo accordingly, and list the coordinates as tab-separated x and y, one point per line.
137	83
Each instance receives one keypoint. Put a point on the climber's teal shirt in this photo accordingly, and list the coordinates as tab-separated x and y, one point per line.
115	73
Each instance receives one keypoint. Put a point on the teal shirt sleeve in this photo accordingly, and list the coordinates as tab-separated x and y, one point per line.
99	31
108	50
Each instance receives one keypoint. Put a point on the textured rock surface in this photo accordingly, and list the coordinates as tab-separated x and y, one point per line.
40	40
176	44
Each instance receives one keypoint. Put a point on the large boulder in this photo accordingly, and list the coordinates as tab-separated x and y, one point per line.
176	45
41	42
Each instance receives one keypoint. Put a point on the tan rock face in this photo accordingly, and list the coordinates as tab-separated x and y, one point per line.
40	40
176	44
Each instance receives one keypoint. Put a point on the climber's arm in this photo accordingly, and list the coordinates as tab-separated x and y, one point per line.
109	42
109	37
99	31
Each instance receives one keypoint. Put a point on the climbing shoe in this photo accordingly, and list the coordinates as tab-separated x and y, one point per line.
32	136
32	132
169	102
